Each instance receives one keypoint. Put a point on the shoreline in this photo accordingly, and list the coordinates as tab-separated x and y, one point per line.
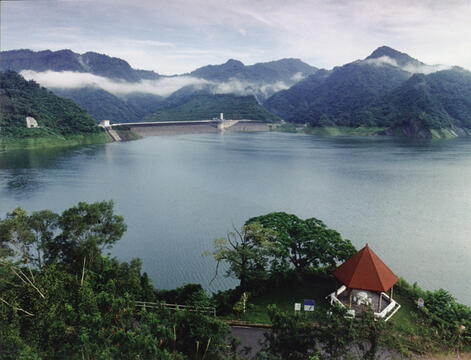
9	143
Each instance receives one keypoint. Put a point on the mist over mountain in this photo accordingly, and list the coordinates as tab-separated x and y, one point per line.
67	60
109	88
208	106
335	96
388	88
20	99
424	102
288	70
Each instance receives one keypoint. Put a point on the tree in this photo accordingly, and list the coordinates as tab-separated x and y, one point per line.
247	253
60	297
323	335
303	243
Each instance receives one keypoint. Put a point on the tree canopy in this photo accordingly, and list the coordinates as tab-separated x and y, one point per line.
20	98
246	253
304	243
61	298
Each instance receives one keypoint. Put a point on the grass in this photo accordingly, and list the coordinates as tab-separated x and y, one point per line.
343	130
10	143
297	289
407	332
284	296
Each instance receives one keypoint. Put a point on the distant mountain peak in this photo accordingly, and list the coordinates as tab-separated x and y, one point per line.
402	59
234	63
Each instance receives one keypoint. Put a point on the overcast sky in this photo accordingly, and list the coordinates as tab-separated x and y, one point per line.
177	36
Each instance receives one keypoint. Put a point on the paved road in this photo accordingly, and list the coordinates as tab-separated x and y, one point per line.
249	337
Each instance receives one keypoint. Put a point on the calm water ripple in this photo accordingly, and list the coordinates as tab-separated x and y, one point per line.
409	199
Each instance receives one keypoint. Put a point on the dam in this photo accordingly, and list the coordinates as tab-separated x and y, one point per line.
150	128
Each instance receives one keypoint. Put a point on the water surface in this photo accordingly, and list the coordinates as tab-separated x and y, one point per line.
409	199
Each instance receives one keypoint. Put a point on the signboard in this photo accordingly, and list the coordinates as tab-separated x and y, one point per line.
420	302
297	306
309	305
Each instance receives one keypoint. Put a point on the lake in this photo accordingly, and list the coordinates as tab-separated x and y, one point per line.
410	200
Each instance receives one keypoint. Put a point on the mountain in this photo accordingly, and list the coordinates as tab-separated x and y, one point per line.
103	105
269	72
441	100
388	89
335	97
128	95
401	59
20	98
198	107
67	60
261	80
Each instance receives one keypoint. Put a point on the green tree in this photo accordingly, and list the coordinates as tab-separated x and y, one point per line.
246	252
325	335
304	243
61	298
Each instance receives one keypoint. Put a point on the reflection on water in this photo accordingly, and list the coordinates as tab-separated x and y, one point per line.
409	199
22	172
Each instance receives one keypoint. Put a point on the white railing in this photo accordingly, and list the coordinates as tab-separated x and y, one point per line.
393	305
155	305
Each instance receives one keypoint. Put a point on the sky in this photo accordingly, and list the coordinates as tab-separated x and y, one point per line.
178	36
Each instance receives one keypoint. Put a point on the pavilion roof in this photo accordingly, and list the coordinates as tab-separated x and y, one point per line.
366	271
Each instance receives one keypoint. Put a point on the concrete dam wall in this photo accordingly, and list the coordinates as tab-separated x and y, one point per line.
195	128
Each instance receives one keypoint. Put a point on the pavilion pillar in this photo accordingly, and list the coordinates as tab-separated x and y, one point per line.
392	287
350	298
379	302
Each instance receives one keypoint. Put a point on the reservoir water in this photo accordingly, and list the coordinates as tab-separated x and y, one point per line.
410	200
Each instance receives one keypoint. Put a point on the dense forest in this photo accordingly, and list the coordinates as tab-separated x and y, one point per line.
55	115
200	107
387	89
62	297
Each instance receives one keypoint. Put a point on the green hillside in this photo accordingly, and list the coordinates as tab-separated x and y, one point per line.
61	122
21	98
204	107
438	100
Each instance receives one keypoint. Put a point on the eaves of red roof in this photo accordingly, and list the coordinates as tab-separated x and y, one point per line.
365	270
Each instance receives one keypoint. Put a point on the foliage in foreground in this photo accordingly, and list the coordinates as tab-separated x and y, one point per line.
323	335
62	299
269	246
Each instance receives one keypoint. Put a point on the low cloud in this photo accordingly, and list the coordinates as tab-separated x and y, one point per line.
298	76
75	80
163	87
412	68
240	87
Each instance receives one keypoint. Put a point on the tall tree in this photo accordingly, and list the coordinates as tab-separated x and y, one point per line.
304	243
247	253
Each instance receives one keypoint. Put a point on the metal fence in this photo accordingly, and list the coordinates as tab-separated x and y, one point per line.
208	310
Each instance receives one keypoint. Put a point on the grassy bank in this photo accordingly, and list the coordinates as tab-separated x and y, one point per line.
13	143
343	130
412	329
442	133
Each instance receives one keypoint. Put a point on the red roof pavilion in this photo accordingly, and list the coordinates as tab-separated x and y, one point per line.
366	271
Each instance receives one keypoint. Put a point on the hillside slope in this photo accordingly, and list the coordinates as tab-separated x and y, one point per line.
21	98
206	107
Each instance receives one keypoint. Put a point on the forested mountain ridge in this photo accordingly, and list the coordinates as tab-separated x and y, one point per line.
67	60
335	97
103	105
207	106
124	94
434	101
55	115
387	89
278	70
